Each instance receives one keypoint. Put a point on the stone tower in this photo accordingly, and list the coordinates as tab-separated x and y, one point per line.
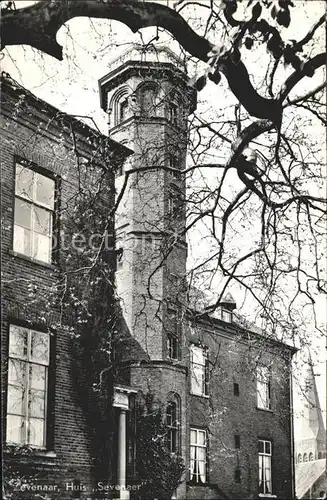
312	443
146	97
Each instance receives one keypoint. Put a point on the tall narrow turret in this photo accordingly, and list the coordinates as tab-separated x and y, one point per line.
146	97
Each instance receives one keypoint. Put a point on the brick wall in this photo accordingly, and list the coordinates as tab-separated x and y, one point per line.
33	131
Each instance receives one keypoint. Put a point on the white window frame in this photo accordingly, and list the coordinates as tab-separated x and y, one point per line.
263	377
226	315
26	361
198	464
173	424
34	204
265	467
199	370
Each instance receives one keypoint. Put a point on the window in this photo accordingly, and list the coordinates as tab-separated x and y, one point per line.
198	462
299	458
174	335
174	163
148	99
265	485
172	205
236	389
199	371
120	260
123	110
310	457
27	386
237	439
305	457
226	315
237	475
172	421
33	219
173	113
263	387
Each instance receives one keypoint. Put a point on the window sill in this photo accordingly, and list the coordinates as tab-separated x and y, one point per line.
205	396
29	452
267	495
34	261
269	410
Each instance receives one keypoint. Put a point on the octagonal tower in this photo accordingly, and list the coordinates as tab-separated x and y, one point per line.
147	99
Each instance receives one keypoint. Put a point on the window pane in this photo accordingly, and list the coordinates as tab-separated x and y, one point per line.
36	403
23	213
197	378
22	240
16	400
36	432
40	347
15	429
17	372
197	355
24	182
37	377
261	448
267	447
201	437
45	188
42	248
42	220
18	341
193	437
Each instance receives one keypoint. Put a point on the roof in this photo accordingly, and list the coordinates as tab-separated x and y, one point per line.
11	85
198	302
307	473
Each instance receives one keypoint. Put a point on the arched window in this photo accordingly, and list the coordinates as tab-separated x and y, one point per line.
299	458
173	423
305	457
119	105
310	457
319	455
147	97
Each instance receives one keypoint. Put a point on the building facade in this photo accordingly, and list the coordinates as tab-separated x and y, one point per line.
223	387
226	389
51	164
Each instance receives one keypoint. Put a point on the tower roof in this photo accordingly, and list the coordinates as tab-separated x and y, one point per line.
151	61
312	421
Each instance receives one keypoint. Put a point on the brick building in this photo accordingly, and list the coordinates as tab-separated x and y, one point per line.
224	386
48	159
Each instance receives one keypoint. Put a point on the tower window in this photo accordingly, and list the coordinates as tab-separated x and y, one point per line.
123	110
237	475
174	336
172	421
173	113
237	439
175	164
236	389
148	99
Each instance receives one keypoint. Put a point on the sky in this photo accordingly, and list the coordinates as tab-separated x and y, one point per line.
72	86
